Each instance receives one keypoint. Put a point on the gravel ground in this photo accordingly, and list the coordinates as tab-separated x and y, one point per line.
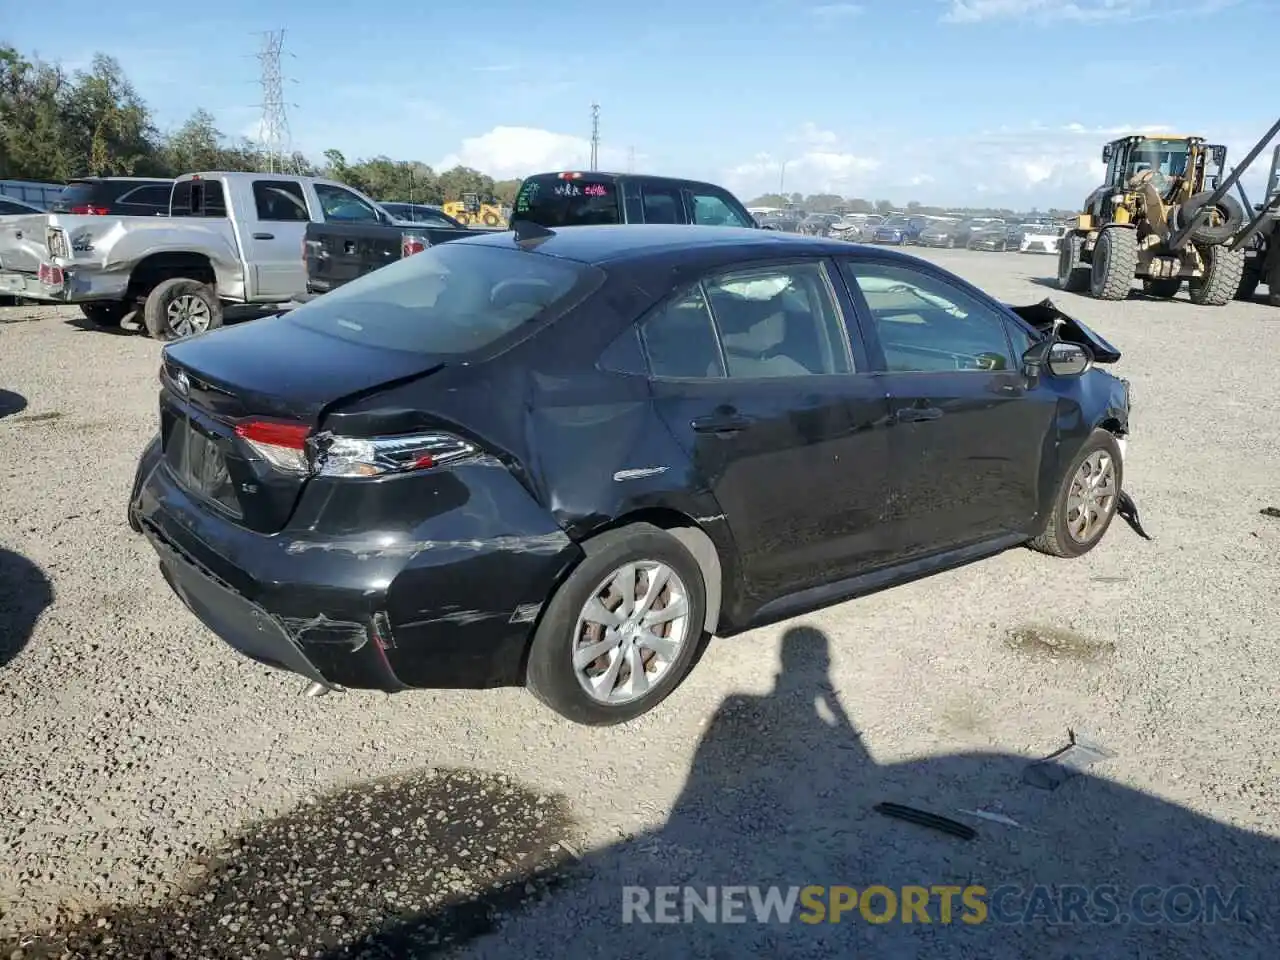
165	798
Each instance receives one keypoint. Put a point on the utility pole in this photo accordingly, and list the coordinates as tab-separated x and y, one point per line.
782	180
595	136
273	131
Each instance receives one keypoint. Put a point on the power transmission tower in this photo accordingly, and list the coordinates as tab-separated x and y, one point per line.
273	131
595	136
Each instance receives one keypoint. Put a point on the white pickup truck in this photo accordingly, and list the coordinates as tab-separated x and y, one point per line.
230	238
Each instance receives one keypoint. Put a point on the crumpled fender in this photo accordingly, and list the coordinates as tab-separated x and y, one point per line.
1042	316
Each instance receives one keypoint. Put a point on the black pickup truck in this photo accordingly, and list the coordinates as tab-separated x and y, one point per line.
336	252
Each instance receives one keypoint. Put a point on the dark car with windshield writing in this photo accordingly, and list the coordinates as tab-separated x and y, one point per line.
594	199
560	458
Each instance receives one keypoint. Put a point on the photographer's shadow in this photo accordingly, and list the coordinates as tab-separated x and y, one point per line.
782	792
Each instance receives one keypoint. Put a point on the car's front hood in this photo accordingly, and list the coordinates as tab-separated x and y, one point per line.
1042	316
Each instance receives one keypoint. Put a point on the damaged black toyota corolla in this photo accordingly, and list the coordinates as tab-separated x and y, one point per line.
561	459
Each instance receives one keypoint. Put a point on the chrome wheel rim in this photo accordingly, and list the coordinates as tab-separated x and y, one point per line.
630	632
1092	498
188	314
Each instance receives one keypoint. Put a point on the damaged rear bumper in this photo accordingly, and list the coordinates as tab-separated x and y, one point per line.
449	604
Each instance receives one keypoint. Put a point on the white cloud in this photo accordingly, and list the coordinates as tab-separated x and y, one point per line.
835	10
512	152
812	135
1079	11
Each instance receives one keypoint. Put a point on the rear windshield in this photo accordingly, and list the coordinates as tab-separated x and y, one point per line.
77	195
451	299
555	202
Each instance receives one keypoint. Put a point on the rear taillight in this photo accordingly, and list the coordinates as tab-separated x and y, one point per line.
282	444
356	457
411	244
89	210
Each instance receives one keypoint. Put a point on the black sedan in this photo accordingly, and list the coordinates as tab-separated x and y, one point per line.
562	459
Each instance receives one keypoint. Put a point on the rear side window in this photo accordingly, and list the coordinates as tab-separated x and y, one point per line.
662	205
451	299
680	340
554	202
279	201
198	198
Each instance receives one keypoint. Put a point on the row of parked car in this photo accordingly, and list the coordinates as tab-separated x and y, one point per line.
973	233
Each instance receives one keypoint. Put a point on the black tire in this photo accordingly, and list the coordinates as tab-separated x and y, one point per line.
1057	539
155	311
1164	287
1249	280
1223	272
951	243
1230	215
491	219
463	218
104	313
1115	258
550	675
1072	277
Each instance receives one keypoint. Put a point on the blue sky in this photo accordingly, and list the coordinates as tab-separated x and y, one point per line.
943	101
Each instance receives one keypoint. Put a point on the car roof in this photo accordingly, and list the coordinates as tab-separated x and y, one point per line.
599	245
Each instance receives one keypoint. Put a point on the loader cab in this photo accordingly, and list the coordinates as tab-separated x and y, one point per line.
1186	161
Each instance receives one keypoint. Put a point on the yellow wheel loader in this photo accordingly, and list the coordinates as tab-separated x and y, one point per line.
469	211
1157	218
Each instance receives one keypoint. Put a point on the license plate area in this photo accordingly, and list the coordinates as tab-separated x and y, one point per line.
198	463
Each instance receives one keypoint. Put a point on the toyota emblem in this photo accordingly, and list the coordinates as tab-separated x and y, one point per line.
182	383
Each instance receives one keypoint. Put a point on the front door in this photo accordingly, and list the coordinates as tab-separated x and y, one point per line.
968	434
754	374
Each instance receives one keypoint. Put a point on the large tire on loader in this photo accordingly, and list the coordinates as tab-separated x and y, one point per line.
1223	270
1229	214
1115	258
1163	287
1072	276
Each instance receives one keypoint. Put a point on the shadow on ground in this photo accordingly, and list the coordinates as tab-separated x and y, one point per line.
782	791
132	323
25	592
11	403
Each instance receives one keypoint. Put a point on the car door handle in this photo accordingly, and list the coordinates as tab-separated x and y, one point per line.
721	424
264	236
917	414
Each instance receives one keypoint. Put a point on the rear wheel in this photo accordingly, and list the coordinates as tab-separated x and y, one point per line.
622	631
180	308
104	313
1164	287
1086	501
1115	258
1223	270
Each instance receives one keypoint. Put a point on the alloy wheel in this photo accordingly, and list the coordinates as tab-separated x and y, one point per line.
188	314
630	632
1092	498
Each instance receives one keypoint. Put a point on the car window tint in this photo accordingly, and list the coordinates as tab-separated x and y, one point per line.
279	200
927	325
680	340
711	210
661	205
779	321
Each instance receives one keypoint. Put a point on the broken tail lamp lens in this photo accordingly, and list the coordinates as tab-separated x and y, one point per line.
359	457
410	244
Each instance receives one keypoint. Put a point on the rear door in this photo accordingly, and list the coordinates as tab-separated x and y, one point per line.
968	433
271	235
754	373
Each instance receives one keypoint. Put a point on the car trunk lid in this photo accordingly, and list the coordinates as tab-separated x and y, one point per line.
237	406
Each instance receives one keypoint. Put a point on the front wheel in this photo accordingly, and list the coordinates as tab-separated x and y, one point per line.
1086	500
622	631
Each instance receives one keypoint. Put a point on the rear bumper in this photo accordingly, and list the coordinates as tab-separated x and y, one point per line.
451	604
62	285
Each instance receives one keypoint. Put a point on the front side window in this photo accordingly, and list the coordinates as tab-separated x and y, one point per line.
927	325
451	299
340	204
711	210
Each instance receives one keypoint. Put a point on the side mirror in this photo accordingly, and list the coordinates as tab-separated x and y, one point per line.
1061	359
1106	153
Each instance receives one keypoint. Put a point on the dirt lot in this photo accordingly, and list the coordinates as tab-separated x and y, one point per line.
159	792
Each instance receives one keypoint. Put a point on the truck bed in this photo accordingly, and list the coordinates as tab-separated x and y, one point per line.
336	253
